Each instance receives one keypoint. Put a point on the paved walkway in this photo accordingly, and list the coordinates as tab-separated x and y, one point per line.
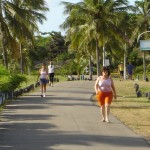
65	120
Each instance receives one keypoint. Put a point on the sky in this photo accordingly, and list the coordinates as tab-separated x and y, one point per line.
55	16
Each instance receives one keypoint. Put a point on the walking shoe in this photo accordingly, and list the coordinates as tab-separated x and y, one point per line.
41	95
44	95
107	121
103	120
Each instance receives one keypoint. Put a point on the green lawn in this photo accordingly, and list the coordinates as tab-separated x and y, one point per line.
133	111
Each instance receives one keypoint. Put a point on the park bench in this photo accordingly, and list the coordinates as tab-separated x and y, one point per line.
115	75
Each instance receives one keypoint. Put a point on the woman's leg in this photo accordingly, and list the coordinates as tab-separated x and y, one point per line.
41	84
44	90
103	112
108	100
52	78
107	111
41	88
101	100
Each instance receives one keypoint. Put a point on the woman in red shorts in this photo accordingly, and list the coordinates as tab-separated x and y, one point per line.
105	91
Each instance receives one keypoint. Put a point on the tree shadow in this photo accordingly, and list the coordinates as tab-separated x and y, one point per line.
40	136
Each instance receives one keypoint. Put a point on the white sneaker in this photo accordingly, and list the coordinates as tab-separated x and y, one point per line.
44	95
107	120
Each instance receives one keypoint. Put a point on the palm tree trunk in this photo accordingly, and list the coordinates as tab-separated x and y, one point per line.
2	38
90	68
144	66
97	58
3	44
125	61
21	60
5	60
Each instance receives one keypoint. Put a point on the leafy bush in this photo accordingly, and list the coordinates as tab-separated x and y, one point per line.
148	69
138	70
10	82
3	71
4	83
16	80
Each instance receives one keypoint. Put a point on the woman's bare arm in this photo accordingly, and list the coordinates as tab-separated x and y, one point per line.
113	88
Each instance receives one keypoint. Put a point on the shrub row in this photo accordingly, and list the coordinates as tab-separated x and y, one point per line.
8	81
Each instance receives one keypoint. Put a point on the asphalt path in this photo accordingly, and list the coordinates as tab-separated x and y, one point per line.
66	119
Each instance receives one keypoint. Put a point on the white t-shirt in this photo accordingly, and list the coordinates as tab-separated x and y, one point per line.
51	69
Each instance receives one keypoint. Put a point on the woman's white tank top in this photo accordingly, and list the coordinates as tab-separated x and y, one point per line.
43	74
105	84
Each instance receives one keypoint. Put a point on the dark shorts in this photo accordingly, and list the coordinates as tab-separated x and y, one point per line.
130	73
43	81
121	73
51	75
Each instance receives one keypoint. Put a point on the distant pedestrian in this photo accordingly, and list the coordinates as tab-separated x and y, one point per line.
105	91
43	75
121	70
130	68
51	73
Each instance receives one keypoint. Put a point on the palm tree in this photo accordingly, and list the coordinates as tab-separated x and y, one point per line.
18	21
95	21
142	20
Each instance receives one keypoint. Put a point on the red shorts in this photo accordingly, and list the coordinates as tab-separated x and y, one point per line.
104	97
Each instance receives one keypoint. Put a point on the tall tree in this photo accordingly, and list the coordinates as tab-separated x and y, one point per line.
142	24
95	21
18	21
